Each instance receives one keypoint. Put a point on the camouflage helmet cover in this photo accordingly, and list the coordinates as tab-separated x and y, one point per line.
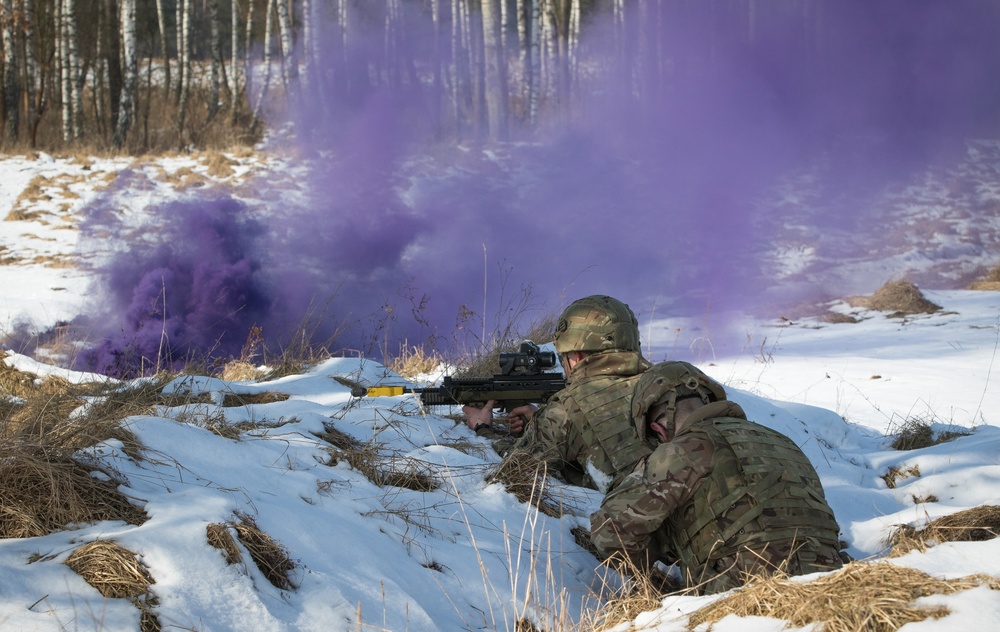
597	323
656	385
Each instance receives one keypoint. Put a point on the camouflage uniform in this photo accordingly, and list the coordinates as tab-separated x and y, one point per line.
726	498
584	431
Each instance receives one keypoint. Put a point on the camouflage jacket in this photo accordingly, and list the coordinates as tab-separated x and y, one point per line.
584	432
725	498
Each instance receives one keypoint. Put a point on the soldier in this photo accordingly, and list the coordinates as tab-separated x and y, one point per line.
728	498
584	432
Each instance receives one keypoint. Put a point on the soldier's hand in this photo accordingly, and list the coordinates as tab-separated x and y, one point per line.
518	418
478	417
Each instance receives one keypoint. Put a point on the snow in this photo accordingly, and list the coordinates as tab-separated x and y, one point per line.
468	555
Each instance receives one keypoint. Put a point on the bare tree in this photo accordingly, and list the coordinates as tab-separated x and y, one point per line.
130	83
69	63
161	22
215	44
268	34
289	65
495	78
184	63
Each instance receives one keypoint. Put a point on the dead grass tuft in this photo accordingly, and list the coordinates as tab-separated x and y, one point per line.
900	298
860	597
220	537
641	591
269	556
14	382
230	400
523	475
42	492
836	318
990	282
44	486
389	471
971	525
112	569
117	573
219	165
240	371
916	433
413	360
897	473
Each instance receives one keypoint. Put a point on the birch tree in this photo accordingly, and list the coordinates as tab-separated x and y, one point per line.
184	65
495	88
130	81
161	22
72	99
289	66
215	46
262	90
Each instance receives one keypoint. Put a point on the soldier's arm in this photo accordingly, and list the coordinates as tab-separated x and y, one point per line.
646	498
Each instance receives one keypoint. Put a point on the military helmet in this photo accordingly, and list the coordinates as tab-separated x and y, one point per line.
597	323
666	382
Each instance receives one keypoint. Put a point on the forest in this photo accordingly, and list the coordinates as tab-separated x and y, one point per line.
146	75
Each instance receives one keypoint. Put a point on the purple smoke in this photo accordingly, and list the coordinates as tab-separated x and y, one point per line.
190	287
645	186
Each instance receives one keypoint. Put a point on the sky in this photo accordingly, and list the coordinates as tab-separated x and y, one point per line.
467	555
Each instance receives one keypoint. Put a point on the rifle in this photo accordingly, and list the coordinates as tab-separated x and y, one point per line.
522	380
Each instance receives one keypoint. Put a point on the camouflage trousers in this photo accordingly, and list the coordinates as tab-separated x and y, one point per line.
735	569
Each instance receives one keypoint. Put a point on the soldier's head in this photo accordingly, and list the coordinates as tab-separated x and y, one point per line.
666	389
597	323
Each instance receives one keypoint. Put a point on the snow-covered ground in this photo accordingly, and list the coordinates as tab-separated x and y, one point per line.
467	554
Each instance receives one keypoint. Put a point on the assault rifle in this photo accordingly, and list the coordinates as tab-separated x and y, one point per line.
522	380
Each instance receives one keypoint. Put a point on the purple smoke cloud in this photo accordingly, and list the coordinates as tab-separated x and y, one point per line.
647	188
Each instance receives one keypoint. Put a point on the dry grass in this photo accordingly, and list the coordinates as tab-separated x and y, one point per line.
972	525
860	597
641	591
990	282
897	473
900	298
415	360
221	538
523	475
240	371
117	574
43	487
112	569
230	400
915	434
269	556
43	492
388	470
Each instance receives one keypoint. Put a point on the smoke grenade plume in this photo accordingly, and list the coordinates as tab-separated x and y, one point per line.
647	180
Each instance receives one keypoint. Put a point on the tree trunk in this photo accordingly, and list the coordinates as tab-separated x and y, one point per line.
35	89
234	68
73	60
184	55
495	84
289	65
216	49
161	21
11	89
535	78
113	11
130	83
268	34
